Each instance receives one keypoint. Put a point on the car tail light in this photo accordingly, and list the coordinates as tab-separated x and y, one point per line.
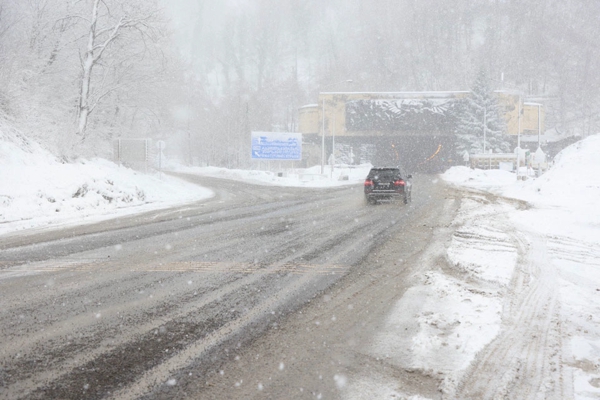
399	182
368	182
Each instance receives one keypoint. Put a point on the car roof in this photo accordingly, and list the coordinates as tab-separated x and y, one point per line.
383	168
395	170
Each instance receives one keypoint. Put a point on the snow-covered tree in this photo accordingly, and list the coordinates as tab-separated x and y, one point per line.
105	28
75	74
480	108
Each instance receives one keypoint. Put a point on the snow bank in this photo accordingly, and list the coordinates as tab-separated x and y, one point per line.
440	324
448	321
572	182
565	212
478	178
38	190
478	236
296	177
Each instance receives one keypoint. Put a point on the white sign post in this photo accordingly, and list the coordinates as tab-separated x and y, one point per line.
132	151
160	145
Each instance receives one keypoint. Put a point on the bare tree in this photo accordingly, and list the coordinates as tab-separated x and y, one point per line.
104	30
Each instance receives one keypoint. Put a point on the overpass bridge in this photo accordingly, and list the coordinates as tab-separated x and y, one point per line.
416	129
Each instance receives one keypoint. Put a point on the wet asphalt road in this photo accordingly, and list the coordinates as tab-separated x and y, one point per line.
129	308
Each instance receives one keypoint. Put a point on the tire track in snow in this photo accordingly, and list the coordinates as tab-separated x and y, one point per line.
523	362
565	248
189	307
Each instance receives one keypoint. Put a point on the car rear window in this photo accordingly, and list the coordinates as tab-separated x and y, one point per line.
384	174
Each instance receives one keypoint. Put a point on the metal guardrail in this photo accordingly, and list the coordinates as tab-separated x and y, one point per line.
492	160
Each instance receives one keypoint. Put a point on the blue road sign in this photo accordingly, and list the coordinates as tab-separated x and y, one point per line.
276	146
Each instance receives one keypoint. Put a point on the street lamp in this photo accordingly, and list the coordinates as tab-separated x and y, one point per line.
323	124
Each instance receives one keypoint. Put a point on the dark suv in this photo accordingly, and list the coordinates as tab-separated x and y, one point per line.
390	183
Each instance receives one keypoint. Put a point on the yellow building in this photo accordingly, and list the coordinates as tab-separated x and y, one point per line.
533	119
308	119
532	114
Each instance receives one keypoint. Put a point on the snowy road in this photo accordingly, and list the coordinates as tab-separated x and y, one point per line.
272	292
155	305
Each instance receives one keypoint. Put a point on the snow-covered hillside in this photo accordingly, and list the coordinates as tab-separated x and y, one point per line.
37	189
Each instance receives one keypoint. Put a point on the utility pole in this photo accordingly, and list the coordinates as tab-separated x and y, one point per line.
323	140
484	127
333	147
519	141
539	127
519	126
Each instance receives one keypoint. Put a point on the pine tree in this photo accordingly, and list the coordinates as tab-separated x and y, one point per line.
481	105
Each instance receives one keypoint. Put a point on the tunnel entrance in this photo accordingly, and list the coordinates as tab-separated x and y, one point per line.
430	154
418	153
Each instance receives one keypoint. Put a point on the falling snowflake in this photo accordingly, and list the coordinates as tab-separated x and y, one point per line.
340	380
